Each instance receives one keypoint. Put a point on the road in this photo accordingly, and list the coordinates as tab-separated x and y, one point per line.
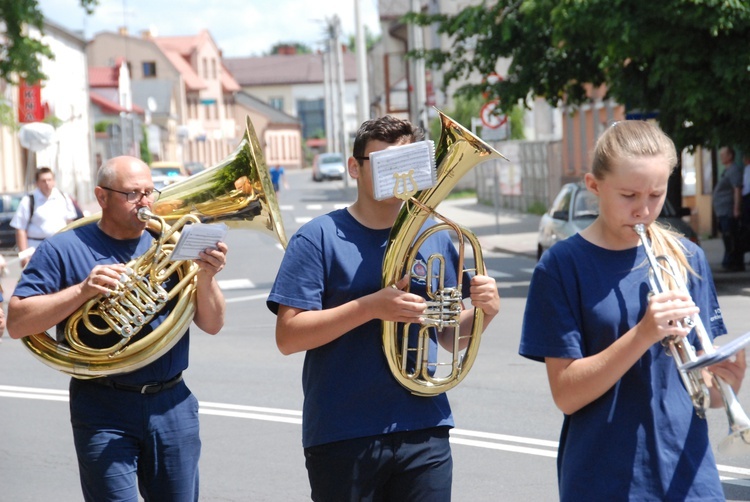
504	445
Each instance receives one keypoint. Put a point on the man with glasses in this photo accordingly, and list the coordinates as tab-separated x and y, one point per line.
136	430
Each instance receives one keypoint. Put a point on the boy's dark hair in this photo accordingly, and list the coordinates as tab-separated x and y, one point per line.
388	129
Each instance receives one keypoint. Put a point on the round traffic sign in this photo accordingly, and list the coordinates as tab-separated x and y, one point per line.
488	118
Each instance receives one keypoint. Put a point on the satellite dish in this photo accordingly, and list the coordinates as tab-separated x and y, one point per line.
151	104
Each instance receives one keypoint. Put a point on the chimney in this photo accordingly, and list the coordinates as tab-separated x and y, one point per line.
123	30
287	50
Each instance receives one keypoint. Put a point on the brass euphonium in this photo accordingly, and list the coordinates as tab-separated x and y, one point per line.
457	152
238	192
664	274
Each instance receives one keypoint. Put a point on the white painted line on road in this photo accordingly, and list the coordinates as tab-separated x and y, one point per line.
505	437
251	412
504	447
302	219
260	296
527	270
341	206
229	284
515	284
497	274
295	417
287	207
314	207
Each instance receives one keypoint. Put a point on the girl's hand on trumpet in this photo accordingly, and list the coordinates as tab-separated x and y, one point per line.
666	315
731	370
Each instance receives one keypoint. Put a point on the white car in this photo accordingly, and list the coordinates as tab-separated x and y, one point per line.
575	208
328	166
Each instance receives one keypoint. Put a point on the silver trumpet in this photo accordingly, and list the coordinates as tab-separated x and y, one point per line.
683	353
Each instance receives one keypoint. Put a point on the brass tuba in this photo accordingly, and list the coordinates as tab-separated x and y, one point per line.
457	152
663	273
238	192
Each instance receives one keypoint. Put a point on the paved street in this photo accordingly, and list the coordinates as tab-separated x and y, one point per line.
507	426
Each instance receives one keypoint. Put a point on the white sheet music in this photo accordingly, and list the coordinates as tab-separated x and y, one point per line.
196	238
393	165
722	353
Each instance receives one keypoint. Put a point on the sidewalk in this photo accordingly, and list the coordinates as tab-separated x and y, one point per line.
511	232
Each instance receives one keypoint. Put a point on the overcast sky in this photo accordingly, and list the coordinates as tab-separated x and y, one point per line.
239	27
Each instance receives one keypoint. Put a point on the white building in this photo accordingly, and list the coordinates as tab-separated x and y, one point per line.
64	96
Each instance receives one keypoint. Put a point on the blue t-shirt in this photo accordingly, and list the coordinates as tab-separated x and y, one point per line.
349	390
642	439
66	259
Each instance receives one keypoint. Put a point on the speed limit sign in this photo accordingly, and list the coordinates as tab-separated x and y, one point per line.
489	119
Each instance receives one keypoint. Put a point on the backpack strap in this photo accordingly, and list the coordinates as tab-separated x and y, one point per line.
31	209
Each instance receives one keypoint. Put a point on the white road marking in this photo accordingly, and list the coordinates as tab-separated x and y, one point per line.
478	439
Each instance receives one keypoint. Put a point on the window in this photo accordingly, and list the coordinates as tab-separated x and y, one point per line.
213	68
149	69
276	102
312	115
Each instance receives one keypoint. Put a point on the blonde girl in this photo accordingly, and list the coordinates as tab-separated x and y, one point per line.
629	431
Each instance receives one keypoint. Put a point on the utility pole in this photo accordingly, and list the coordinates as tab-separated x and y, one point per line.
418	108
363	103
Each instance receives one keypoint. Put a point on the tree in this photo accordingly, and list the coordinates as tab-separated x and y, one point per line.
20	54
687	61
370	41
290	48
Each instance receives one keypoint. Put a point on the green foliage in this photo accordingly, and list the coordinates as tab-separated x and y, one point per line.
299	48
101	126
370	40
537	208
687	60
8	116
145	152
20	55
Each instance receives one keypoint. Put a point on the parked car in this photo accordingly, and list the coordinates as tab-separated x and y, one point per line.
328	166
165	173
8	205
574	208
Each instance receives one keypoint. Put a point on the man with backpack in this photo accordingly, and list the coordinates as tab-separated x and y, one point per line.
41	214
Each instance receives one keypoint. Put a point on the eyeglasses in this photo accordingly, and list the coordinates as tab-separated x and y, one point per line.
135	196
362	158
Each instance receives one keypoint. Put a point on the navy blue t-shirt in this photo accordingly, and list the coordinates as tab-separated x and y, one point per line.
642	439
66	259
349	390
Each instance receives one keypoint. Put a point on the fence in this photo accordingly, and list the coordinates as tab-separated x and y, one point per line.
527	181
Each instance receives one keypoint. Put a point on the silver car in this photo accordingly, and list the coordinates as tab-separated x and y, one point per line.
575	208
328	166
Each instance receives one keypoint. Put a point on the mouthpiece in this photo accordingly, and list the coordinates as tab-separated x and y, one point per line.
144	214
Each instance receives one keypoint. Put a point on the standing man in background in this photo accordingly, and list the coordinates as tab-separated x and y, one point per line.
727	202
41	214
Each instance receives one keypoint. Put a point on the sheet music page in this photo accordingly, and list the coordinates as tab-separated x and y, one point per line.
410	166
721	353
197	237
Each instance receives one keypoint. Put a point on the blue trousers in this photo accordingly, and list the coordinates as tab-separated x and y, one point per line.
126	441
401	466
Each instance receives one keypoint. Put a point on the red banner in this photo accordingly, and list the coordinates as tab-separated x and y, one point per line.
30	107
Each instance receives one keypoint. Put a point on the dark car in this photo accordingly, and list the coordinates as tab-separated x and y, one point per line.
575	208
8	205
